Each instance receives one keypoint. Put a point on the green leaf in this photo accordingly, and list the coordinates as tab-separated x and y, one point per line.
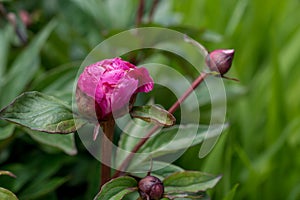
188	196
66	143
40	112
24	66
231	193
117	188
8	173
7	195
133	195
179	137
131	132
154	114
159	169
190	181
57	79
100	12
7	131
48	166
37	190
5	35
236	17
167	141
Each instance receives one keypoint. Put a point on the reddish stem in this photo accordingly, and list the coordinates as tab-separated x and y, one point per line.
173	108
106	150
194	85
140	12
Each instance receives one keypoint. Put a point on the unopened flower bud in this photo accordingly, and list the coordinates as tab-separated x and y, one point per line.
108	87
25	17
220	60
151	188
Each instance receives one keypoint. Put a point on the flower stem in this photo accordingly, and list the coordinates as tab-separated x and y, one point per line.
140	12
194	85
106	150
173	108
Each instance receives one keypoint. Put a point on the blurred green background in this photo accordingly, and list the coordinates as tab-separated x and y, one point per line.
258	156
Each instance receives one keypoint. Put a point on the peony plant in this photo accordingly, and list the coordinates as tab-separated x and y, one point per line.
107	90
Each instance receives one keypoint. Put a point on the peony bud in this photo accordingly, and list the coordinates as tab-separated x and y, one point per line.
25	17
151	188
110	86
220	60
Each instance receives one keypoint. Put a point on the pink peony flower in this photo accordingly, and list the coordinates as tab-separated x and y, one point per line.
110	86
220	60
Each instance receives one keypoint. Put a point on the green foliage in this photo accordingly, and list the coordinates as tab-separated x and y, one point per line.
7	131
66	143
231	193
169	140
159	169
189	181
154	114
7	195
188	184
24	67
40	112
4	193
117	188
262	142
